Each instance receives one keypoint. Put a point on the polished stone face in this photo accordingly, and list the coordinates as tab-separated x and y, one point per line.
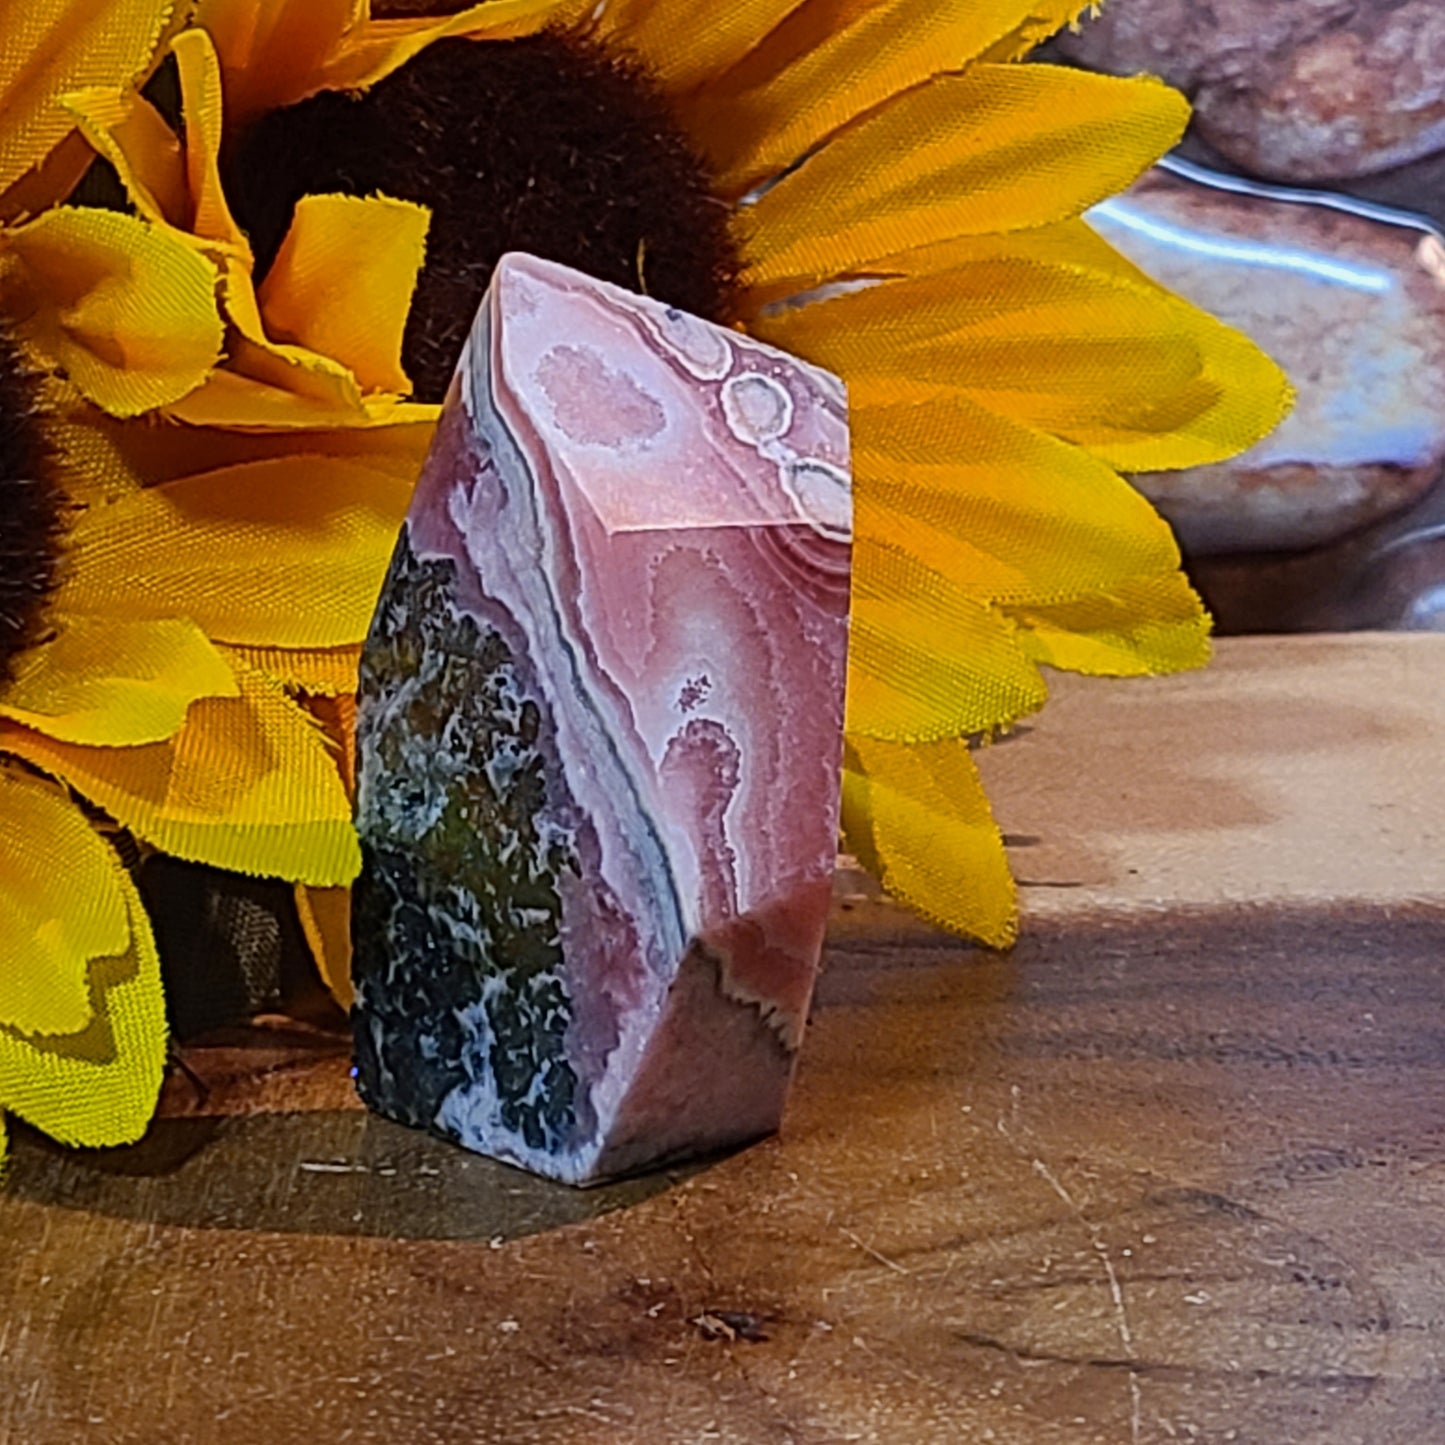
600	737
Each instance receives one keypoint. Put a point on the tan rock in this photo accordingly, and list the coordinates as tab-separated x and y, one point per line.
1352	308
1304	90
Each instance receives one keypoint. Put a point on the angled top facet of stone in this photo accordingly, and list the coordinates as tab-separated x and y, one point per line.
600	736
615	387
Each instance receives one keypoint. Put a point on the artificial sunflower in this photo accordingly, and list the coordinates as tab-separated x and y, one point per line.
875	185
166	596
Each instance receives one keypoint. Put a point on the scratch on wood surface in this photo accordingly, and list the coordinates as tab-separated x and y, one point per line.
873	1253
1101	1249
597	1410
892	1363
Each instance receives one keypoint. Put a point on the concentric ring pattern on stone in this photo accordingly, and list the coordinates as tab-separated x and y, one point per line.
600	737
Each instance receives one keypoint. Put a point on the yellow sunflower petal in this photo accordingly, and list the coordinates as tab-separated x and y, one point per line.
1237	396
106	458
50	182
1233	393
685	43
271	384
816	72
55	46
199	71
271	51
1041	343
132	135
112	682
1045	17
926	660
95	468
320	671
243	403
59	908
1071	243
288	551
342	282
337	716
248	784
998	148
1015	515
173	183
325	915
1118	366
375	49
918	819
1150	625
128	311
97	1085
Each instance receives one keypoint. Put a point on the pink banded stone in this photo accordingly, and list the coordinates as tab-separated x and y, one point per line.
600	737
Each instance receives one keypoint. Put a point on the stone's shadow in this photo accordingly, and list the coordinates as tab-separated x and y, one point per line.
1334	1008
336	1172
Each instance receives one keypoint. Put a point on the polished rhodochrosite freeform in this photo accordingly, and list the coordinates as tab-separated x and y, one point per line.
600	737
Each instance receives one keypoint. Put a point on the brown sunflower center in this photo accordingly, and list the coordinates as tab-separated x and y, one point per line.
547	145
30	504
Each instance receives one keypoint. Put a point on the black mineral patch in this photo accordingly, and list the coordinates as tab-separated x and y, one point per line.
457	913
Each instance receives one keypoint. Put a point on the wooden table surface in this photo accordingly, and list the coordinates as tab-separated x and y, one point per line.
1172	1170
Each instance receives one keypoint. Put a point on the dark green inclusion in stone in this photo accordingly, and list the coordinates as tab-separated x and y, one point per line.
459	918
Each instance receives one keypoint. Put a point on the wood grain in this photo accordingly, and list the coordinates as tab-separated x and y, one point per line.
1162	1173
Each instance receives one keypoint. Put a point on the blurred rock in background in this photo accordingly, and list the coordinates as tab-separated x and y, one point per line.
1351	309
1336	522
1299	90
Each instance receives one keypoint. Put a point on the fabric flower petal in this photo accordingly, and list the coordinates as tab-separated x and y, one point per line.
341	284
130	133
288	551
96	1084
1149	625
684	43
1120	367
918	820
1071	243
248	784
107	458
128	311
325	915
304	393
55	46
1045	18
199	71
1237	396
1036	342
172	182
997	148
379	47
336	713
50	181
276	54
927	659
271	54
60	908
817	71
112	682
1016	515
272	384
320	671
